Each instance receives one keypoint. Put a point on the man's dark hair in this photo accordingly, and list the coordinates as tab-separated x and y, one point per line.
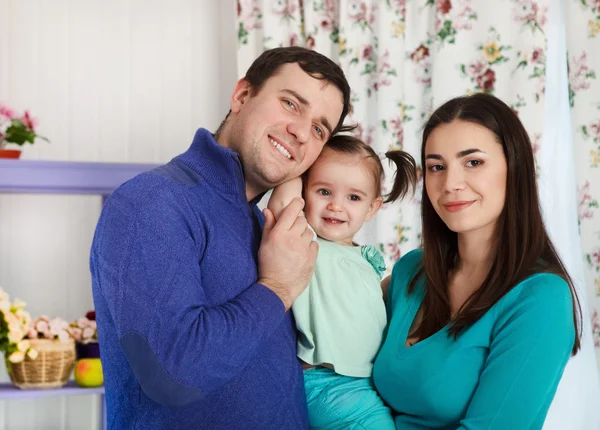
316	65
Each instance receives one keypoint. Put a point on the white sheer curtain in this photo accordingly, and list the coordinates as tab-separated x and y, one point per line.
577	401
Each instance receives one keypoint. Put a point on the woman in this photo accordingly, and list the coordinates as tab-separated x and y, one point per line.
483	319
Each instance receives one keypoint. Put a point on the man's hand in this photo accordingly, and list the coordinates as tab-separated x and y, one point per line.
287	253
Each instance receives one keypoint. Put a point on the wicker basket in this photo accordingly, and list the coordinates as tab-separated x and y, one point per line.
51	368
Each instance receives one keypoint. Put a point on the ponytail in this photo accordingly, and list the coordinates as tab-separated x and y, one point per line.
405	176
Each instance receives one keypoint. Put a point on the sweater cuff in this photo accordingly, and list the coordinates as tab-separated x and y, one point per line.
266	301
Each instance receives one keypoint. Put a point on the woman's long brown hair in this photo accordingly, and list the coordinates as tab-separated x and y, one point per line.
521	246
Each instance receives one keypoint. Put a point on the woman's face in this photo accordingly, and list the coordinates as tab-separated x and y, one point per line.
466	176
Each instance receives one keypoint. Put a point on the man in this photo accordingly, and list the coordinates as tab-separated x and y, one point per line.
191	303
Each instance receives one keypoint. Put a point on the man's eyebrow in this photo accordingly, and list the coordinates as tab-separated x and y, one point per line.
460	154
306	103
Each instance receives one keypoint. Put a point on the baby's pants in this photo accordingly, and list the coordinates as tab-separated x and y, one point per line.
344	402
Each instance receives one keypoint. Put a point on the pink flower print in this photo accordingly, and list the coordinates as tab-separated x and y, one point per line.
578	70
310	42
444	6
383	63
279	7
396	126
476	69
367	52
596	328
421	52
284	7
399	6
6	112
536	55
535	143
423	72
595	127
249	14
595	258
357	10
530	12
393	250
326	23
365	136
584	198
487	80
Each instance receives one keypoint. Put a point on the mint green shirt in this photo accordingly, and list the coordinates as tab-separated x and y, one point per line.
341	315
500	374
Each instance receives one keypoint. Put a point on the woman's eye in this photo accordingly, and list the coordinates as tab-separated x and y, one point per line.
435	168
473	163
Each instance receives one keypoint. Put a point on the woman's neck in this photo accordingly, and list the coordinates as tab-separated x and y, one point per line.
475	250
475	260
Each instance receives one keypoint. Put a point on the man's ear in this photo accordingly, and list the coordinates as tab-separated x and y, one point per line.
241	93
374	208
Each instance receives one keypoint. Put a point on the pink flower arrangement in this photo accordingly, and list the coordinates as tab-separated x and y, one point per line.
51	329
17	129
84	329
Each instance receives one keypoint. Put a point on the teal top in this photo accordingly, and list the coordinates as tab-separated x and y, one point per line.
341	315
501	373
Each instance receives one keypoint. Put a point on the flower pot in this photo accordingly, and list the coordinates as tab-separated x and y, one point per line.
10	153
51	368
88	368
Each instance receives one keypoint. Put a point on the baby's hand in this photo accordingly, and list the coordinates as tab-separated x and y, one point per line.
283	194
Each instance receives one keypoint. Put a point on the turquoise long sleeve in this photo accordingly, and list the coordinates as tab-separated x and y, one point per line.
501	373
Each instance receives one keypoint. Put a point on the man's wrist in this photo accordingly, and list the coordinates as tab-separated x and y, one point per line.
279	292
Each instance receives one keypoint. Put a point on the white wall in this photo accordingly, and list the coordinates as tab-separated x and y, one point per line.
109	80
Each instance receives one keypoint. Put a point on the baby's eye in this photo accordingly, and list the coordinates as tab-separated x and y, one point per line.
324	192
355	198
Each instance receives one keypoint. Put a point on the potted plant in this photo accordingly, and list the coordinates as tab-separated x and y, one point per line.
38	353
88	368
17	130
15	323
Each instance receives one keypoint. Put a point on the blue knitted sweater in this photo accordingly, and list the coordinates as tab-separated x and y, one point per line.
188	339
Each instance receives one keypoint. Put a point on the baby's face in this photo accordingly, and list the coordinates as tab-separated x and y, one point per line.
340	195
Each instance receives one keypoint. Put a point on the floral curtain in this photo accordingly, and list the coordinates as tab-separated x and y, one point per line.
402	59
583	39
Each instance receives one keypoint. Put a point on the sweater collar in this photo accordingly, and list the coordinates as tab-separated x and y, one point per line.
219	166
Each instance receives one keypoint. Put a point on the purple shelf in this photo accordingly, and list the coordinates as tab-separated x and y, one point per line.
65	177
9	391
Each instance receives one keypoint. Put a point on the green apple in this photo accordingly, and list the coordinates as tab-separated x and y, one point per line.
88	372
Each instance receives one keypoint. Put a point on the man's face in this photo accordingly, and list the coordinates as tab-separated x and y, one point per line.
280	131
